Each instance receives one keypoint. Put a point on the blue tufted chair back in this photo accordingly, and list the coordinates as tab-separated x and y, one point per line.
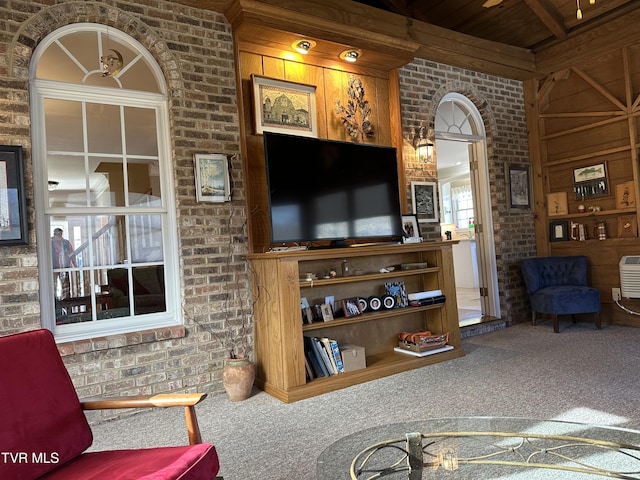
543	272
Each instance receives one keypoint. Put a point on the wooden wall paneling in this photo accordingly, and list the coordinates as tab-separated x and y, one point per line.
383	116
310	75
256	192
335	85
397	136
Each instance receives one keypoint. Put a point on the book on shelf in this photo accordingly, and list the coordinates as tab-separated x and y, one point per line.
323	355
426	352
312	354
335	349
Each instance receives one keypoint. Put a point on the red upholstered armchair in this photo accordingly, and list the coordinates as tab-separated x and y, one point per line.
44	432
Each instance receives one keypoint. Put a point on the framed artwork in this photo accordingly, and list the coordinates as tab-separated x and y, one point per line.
284	107
410	226
557	204
13	204
559	231
520	186
590	181
625	195
627	226
423	197
212	178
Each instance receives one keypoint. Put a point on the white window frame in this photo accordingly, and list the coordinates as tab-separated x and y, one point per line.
47	89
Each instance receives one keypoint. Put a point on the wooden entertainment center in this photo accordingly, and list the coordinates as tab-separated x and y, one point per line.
279	284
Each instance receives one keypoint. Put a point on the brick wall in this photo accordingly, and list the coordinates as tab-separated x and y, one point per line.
500	101
194	49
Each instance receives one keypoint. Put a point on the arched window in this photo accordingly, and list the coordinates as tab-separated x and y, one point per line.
103	185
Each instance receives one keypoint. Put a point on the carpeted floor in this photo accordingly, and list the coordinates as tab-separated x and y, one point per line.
580	374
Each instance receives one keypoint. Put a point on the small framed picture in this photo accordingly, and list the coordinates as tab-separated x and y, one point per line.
410	226
424	200
590	173
212	177
627	226
557	204
284	107
625	195
13	207
327	312
520	186
351	307
559	231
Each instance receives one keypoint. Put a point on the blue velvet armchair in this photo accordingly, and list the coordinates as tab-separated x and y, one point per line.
558	286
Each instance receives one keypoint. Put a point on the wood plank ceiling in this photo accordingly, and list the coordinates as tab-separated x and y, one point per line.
530	24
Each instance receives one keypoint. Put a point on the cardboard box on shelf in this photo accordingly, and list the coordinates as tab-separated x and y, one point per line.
353	357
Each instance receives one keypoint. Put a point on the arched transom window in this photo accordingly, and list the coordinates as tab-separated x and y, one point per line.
103	185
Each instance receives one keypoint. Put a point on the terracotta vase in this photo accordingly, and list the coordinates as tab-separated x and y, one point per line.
238	375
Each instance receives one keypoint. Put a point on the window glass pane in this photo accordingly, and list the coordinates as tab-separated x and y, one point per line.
67	180
104	133
144	183
140	127
148	289
107	181
146	238
63	125
109	241
56	64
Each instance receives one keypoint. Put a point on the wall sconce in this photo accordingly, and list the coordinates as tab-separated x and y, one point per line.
303	46
424	146
350	56
52	185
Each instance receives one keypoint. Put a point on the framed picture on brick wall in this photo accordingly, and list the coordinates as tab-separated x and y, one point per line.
212	177
520	187
13	206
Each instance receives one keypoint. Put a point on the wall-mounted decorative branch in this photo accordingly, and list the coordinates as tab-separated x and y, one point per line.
356	115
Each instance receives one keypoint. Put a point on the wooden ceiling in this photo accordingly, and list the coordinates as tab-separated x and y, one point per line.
519	39
530	24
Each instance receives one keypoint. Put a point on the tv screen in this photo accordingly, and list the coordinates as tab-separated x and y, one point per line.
326	190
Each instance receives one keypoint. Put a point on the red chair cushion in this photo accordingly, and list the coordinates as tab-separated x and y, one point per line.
193	462
42	422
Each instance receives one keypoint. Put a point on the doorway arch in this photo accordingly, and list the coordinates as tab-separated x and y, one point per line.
462	159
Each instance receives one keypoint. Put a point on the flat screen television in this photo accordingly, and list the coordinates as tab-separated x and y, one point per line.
326	191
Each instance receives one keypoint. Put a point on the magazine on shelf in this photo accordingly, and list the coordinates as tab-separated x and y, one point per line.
425	353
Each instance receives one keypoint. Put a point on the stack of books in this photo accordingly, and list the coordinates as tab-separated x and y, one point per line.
322	357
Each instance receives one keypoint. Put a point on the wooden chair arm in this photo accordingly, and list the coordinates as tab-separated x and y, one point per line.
187	400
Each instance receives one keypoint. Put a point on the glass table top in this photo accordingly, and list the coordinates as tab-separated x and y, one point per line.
483	448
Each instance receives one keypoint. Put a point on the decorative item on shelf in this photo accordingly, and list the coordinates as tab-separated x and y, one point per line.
600	230
590	181
578	232
351	307
595	208
625	195
559	231
627	226
422	341
581	208
398	291
422	142
375	303
345	268
356	116
557	204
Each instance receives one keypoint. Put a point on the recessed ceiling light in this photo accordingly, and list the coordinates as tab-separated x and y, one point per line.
303	46
351	56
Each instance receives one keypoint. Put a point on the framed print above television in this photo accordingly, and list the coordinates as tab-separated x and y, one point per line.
284	107
13	205
212	177
423	197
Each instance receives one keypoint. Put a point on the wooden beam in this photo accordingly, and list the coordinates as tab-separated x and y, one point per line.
549	16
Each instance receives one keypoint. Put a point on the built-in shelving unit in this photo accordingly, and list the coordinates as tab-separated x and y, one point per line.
279	327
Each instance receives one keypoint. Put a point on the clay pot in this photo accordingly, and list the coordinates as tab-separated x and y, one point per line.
238	375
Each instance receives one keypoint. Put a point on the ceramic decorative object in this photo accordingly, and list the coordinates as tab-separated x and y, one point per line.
238	375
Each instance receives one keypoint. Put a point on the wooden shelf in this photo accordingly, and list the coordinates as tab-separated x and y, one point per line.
603	213
279	329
